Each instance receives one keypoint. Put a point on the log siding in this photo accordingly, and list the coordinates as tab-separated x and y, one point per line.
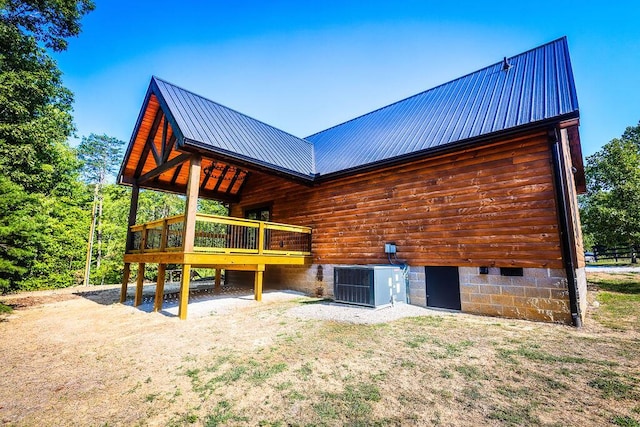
492	205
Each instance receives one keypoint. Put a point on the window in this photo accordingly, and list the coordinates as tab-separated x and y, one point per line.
511	271
260	214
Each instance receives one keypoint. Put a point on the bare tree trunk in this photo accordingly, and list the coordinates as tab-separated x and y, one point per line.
87	267
99	234
99	197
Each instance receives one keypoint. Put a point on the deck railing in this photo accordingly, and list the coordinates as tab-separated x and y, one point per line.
221	234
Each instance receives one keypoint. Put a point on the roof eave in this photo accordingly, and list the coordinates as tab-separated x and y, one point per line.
542	124
153	89
249	162
136	129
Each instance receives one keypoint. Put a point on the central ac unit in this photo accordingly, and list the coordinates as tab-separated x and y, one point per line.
369	285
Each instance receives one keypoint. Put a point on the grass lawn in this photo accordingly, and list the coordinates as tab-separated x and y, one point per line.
619	296
75	361
5	309
622	262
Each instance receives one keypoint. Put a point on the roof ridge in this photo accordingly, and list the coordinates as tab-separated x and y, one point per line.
154	77
563	38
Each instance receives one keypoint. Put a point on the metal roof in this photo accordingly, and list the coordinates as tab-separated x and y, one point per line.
535	88
212	126
538	86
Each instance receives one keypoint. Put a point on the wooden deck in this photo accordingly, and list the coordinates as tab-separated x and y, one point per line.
219	242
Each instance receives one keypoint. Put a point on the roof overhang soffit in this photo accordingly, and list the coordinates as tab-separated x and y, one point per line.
158	150
155	159
217	180
152	96
575	149
249	164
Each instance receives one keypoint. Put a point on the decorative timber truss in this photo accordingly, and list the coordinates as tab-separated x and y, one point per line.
154	161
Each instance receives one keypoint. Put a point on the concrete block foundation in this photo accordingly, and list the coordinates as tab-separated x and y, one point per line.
316	279
540	294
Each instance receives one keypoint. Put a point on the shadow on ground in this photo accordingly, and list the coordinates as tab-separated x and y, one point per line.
614	284
199	292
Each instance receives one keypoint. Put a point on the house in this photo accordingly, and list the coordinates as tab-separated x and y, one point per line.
474	181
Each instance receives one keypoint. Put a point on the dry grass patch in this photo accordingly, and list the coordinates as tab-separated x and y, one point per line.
91	361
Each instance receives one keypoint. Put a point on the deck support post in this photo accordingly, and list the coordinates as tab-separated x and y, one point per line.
157	303
125	282
218	277
184	291
257	284
139	284
188	238
133	213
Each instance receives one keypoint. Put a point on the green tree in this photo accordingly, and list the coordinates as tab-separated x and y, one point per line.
101	155
48	21
152	205
114	233
35	119
610	209
41	201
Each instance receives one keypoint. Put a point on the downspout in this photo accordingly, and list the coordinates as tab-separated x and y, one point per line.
568	249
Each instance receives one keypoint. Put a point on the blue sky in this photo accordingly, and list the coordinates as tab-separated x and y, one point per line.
305	66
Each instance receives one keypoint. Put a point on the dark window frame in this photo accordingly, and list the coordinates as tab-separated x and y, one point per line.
512	271
258	212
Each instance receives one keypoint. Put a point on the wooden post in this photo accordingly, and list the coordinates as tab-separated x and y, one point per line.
184	291
164	235
133	213
125	282
157	303
191	204
143	239
261	238
188	239
257	285
218	277
139	284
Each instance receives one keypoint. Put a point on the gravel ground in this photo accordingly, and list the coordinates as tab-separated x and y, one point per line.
203	303
325	310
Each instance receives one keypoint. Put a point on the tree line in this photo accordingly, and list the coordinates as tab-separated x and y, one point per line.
51	194
610	210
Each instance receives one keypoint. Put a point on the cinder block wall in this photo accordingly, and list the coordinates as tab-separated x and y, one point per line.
316	279
313	279
540	294
417	286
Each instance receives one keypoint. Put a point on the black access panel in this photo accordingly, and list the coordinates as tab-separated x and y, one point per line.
443	287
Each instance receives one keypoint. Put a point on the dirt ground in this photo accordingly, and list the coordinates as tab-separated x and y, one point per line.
78	357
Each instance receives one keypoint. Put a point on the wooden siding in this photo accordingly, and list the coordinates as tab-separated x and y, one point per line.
488	206
572	196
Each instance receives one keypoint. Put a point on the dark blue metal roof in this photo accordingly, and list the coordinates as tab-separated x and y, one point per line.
214	127
538	86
